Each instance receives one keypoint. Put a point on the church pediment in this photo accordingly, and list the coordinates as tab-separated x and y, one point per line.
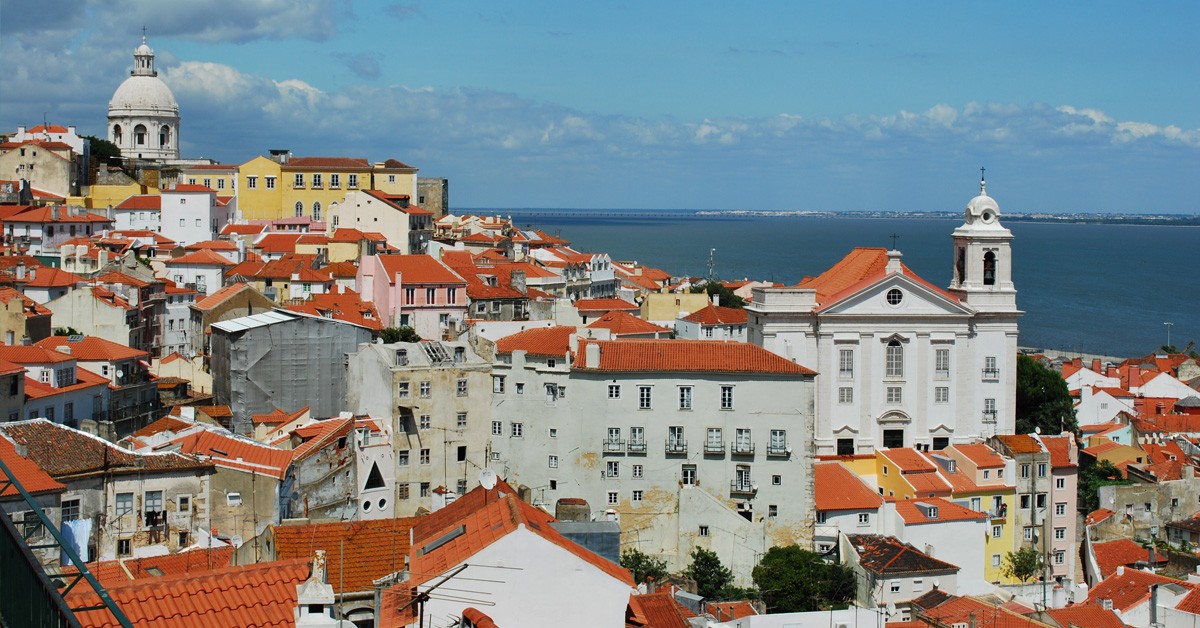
897	295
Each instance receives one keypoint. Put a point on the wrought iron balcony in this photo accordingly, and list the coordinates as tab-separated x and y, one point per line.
676	447
778	449
714	447
989	416
637	446
611	445
991	374
741	487
742	449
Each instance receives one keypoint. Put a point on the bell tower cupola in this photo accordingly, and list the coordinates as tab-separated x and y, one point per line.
983	257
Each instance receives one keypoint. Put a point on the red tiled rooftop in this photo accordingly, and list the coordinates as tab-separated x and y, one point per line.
660	610
716	315
686	356
859	268
347	306
1021	443
92	349
232	452
46	277
540	341
204	257
352	163
165	424
624	324
909	460
1113	554
1089	615
1130	587
141	201
1096	516
62	451
31	477
838	488
946	511
886	555
966	610
418	269
262	595
983	456
605	305
189	188
373	549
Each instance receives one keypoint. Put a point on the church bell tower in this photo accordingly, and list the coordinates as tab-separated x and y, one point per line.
983	257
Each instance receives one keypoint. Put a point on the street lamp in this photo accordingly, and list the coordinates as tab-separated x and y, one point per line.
1153	539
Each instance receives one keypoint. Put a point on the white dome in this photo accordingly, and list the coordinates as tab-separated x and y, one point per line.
143	94
983	208
143	49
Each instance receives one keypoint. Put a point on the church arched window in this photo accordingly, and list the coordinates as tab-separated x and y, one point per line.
895	359
299	209
139	135
116	134
989	268
164	136
316	210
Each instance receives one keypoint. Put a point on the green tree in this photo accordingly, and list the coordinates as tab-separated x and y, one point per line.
1024	564
708	572
796	580
727	297
643	566
1092	477
399	334
1043	401
102	149
67	331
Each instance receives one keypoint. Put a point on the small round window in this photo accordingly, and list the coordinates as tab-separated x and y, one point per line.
894	296
383	504
366	506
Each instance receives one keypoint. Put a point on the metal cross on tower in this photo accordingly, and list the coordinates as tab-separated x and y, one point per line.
894	237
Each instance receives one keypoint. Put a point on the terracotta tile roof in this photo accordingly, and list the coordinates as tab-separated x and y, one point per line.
373	549
278	417
30	306
64	452
33	479
687	356
10	368
92	349
540	341
119	278
660	610
1151	423
165	424
342	269
725	611
983	456
233	229
477	618
1113	554
909	460
33	354
262	595
966	610
276	242
886	555
1090	615
345	306
1060	451
625	324
1130	587
204	257
418	269
1190	603
838	488
1020	443
715	315
233	452
215	412
84	379
53	128
351	163
605	305
501	514
47	277
946	511
314	436
194	561
47	214
220	296
1096	516
141	201
859	269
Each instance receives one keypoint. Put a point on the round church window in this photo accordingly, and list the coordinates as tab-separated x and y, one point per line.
894	296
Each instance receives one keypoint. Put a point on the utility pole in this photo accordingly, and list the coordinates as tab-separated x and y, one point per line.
1168	325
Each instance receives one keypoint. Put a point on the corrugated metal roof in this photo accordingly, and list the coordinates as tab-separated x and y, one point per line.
255	320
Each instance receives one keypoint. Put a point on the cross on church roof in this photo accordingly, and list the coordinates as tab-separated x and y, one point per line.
894	237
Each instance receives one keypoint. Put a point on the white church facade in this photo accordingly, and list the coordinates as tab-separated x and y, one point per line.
901	362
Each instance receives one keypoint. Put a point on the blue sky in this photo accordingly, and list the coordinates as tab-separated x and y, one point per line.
771	105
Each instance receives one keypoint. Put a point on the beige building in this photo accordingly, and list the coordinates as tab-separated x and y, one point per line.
439	395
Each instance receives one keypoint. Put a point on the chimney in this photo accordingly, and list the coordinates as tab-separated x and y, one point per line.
20	270
20	130
591	358
1135	377
54	212
893	262
1106	603
1120	572
1189	472
1096	365
517	281
102	258
716	300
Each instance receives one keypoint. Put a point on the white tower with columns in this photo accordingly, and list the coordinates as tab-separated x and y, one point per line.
143	117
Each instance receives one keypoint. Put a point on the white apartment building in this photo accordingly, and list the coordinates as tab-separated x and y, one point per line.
687	443
904	363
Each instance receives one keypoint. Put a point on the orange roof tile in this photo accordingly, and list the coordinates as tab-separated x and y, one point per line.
908	460
203	257
983	456
886	555
46	277
84	379
967	610
660	610
231	452
277	242
1060	451
189	188
418	269
62	451
32	354
373	549
605	305
1020	443
346	306
687	356
622	323
946	511
141	201
31	307
220	296
1090	615
726	611
715	315
838	488
1113	554
165	424
236	229
262	595
351	163
92	349
32	478
540	341
198	560
1096	516
1130	587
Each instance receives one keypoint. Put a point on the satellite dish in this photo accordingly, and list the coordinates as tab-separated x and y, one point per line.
487	479
891	608
1037	429
120	373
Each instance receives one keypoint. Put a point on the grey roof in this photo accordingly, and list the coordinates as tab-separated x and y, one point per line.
1190	401
255	320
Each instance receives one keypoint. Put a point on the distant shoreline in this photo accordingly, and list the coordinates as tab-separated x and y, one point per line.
1163	220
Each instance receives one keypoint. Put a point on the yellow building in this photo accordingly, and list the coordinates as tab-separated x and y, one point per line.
220	177
282	186
395	177
982	478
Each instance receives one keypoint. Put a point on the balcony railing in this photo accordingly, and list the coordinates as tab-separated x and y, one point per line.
742	449
637	446
676	447
991	374
999	513
777	449
614	445
989	416
714	447
741	487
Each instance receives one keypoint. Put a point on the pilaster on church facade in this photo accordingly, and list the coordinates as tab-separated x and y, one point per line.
901	362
